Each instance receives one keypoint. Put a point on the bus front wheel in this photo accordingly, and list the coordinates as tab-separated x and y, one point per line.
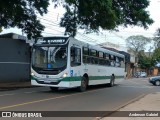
54	88
83	86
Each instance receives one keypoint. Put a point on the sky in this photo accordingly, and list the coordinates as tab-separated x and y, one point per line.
52	19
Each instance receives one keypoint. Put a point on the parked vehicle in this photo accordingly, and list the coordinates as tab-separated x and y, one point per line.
143	74
155	80
140	74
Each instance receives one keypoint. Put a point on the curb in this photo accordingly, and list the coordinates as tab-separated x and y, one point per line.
121	106
14	85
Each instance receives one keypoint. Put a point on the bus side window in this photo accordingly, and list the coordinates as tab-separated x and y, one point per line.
75	56
112	60
118	64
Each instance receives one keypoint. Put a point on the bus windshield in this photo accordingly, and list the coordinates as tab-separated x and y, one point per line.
51	60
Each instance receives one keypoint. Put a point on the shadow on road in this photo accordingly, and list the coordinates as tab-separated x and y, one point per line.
75	90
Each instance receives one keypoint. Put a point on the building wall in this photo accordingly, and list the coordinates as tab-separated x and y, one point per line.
155	71
14	60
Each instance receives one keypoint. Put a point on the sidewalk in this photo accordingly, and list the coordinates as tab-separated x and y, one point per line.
150	102
14	85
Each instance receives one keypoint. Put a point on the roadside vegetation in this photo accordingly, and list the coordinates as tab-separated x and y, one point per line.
89	15
146	60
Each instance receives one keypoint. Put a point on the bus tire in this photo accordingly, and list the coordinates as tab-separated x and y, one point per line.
54	88
111	84
83	86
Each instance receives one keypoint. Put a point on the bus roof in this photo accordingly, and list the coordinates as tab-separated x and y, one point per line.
99	48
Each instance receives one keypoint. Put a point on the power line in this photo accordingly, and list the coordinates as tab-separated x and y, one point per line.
50	33
54	29
87	37
55	24
51	23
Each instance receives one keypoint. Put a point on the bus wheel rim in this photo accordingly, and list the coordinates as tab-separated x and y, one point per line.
83	84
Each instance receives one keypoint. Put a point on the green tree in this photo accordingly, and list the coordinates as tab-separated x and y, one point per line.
80	14
106	14
23	14
156	38
137	43
145	62
156	55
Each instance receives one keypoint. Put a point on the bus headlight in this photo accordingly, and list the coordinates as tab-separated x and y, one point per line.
32	74
65	75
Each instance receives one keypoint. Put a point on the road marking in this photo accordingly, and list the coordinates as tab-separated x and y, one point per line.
17	93
31	92
7	94
47	99
136	86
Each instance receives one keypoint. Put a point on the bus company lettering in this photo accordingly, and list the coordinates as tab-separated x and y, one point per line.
56	41
143	114
137	114
15	114
51	41
152	114
34	115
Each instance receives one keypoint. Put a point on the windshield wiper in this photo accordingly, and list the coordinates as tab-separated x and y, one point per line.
50	69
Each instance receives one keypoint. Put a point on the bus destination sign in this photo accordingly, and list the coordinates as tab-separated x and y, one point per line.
52	41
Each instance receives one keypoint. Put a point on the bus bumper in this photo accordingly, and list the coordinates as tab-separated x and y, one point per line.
66	84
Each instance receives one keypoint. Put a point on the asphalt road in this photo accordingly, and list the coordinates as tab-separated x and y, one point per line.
97	98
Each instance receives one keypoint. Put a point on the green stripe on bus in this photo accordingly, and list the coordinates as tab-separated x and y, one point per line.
99	77
118	77
78	78
33	78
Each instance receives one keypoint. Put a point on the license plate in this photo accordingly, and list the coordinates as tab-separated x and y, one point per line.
47	81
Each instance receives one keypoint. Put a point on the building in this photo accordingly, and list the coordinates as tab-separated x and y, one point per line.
14	58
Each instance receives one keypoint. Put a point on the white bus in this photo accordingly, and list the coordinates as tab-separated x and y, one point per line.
67	62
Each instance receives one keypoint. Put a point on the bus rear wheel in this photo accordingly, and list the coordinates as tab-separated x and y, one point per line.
54	88
111	84
83	86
